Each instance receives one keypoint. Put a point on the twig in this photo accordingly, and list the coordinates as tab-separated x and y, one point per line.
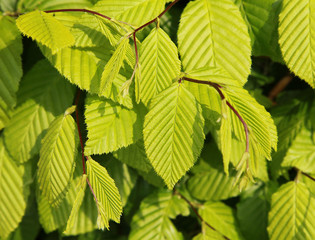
196	212
309	176
218	88
282	84
79	10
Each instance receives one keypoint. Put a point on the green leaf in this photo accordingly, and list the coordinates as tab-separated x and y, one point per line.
209	181
291	215
226	138
252	213
53	4
77	204
45	29
105	119
113	66
135	13
262	129
107	195
57	158
159	64
208	234
134	156
221	217
261	18
12	201
173	133
152	220
301	153
124	177
10	67
84	67
42	96
296	34
213	33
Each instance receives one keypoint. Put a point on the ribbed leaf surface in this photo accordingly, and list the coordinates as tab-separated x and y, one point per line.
45	29
113	66
221	218
57	158
107	195
173	133
159	64
296	37
292	215
152	220
12	202
10	67
84	67
125	178
110	126
43	95
136	12
213	33
301	153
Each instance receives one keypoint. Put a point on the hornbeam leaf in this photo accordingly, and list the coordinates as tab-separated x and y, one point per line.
173	133
135	13
110	126
45	29
106	192
213	33
10	67
159	62
291	215
221	217
84	67
113	66
77	204
301	153
152	220
296	34
57	158
226	138
43	95
12	202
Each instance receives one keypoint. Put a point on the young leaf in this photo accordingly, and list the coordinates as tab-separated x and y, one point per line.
159	62
221	218
12	202
42	96
113	66
10	67
45	29
106	192
105	119
296	34
291	215
77	204
135	13
152	220
226	137
57	158
173	133
213	33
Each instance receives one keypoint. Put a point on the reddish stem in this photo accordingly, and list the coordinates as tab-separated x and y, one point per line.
136	48
79	131
161	14
78	10
218	88
196	212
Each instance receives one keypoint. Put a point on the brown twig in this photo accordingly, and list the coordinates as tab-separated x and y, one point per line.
196	212
279	87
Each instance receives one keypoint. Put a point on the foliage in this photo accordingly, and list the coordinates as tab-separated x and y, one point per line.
157	119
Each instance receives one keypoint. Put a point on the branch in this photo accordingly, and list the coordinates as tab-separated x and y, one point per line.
218	88
309	176
196	212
